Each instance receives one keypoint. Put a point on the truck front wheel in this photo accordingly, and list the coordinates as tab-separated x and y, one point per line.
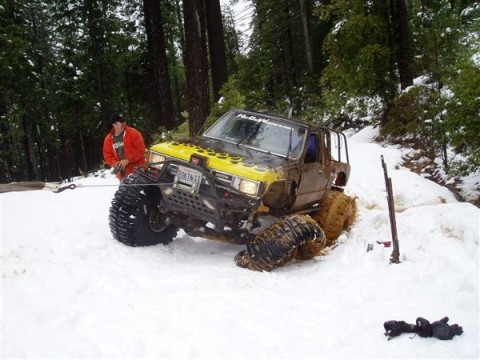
296	236
135	219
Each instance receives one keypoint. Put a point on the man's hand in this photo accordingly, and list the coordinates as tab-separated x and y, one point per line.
122	164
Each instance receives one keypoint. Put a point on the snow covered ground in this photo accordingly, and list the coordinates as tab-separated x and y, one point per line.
69	290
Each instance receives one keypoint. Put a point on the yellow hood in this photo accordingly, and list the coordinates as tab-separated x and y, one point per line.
223	162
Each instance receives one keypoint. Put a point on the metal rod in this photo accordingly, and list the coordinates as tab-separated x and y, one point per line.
395	257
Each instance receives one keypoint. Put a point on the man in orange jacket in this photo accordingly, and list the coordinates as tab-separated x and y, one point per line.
124	147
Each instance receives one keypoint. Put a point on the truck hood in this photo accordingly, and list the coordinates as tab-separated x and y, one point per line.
226	157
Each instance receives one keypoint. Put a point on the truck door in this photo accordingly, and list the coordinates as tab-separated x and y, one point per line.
314	177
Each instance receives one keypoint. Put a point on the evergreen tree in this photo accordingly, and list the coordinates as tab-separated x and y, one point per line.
360	53
216	46
232	40
276	56
401	34
158	68
196	65
65	66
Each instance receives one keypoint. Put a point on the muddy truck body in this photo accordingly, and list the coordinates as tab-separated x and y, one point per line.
267	182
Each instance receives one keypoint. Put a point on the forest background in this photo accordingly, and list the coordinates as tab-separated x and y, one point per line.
412	68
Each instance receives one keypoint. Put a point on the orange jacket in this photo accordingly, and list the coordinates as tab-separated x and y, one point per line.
134	150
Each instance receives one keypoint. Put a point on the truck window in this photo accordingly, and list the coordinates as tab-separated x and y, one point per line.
312	149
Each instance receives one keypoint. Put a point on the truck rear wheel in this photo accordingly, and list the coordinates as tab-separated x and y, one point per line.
337	213
294	236
135	219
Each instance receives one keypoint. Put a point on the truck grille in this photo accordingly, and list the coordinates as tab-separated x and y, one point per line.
192	202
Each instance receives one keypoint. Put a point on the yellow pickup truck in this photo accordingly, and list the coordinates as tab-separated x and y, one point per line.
271	183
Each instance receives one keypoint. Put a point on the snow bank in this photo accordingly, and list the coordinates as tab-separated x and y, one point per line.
69	290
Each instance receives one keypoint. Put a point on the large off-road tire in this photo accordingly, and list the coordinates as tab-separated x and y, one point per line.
134	216
337	213
294	236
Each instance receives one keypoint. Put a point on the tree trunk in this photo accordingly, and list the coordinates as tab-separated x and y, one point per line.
400	19
95	34
37	138
304	12
65	157
127	86
39	64
53	163
32	171
6	164
83	155
291	71
216	46
176	86
196	65
157	59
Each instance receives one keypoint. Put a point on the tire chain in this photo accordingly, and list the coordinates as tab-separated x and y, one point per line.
294	236
129	197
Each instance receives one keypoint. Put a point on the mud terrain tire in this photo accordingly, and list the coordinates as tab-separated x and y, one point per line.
337	213
134	218
294	236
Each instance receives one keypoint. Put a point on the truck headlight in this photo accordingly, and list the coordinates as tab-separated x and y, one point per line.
246	186
155	158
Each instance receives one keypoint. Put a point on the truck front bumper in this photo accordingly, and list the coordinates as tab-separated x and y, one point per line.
192	190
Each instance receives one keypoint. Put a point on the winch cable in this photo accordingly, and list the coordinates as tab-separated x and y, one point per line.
74	186
57	188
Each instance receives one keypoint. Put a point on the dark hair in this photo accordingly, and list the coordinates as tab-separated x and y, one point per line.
118	117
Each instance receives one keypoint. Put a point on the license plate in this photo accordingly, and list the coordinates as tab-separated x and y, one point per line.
188	179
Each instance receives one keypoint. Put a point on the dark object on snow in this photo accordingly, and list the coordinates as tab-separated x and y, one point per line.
438	329
441	330
395	257
394	328
423	327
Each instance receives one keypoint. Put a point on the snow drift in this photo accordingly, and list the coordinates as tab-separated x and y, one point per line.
69	290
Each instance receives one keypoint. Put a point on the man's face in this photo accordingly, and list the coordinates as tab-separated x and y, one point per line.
118	126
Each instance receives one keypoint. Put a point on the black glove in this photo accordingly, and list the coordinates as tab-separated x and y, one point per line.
441	330
423	327
394	328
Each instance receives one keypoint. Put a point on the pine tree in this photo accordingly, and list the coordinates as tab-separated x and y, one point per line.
216	46
360	53
399	14
196	65
158	68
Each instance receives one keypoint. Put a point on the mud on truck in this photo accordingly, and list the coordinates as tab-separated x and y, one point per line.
270	183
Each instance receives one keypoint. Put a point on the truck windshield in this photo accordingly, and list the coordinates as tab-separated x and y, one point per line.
271	135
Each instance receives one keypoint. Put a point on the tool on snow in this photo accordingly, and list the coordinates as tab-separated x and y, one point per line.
386	244
395	257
